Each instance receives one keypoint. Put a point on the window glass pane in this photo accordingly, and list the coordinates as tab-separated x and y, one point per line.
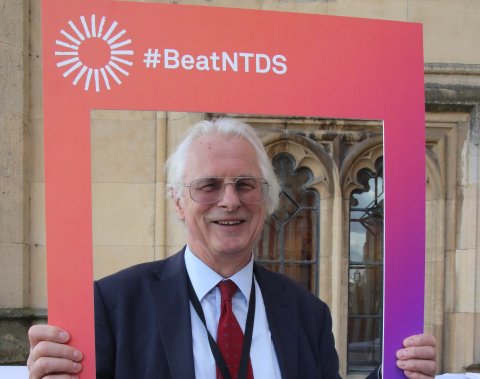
268	246
365	345
301	273
365	274
358	237
290	239
365	291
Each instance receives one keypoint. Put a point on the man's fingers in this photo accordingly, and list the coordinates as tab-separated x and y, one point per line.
421	352
52	365
50	356
420	340
416	375
43	332
52	349
417	358
418	368
46	367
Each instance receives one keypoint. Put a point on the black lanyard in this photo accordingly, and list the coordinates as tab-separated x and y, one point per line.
247	339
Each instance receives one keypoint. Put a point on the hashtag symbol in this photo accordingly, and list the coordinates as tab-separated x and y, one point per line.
152	57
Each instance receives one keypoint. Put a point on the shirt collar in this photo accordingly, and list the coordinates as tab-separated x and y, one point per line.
204	279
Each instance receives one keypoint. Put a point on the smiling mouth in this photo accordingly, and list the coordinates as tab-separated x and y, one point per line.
229	222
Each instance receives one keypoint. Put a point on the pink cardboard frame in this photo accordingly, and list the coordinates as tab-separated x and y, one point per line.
287	64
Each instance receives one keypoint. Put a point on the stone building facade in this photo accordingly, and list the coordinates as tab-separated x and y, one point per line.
133	222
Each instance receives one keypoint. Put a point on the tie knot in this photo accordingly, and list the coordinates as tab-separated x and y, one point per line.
227	289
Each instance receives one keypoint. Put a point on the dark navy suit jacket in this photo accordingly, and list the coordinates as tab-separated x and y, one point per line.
143	328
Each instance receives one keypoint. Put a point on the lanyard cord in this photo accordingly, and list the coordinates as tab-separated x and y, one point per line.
247	339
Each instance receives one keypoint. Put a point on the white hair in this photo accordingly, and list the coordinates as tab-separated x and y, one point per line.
177	161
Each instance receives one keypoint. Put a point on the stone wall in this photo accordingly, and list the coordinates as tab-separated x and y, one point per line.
14	325
453	95
14	180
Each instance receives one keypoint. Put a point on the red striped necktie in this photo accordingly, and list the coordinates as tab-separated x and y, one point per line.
230	335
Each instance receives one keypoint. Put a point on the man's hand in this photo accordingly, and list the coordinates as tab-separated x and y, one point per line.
50	357
417	358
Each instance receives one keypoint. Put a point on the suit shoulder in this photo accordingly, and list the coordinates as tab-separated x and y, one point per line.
141	273
288	286
130	273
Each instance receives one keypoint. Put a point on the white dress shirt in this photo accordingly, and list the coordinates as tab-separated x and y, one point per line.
204	280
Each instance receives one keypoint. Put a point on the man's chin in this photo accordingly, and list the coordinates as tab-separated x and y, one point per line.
234	250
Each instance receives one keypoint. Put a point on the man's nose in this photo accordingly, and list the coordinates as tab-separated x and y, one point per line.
230	196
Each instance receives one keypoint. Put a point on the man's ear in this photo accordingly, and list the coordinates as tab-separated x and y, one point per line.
179	206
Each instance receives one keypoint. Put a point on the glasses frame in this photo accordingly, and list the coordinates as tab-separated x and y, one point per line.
233	180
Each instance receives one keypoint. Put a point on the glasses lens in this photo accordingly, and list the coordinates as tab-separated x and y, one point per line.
251	190
210	190
206	190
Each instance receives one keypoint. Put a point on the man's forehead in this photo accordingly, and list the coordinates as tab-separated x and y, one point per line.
223	145
211	155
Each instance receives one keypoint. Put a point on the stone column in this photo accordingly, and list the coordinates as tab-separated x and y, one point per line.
14	186
13	141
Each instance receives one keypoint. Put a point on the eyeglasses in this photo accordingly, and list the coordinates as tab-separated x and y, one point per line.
210	190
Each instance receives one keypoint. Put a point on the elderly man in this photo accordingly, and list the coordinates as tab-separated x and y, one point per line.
209	311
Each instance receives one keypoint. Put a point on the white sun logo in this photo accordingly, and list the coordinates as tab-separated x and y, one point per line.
94	56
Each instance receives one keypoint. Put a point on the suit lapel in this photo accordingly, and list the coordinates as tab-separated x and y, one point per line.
170	296
283	320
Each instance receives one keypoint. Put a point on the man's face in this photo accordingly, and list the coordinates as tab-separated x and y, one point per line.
227	229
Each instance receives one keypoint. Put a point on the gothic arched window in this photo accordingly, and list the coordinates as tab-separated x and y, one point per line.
290	239
365	276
